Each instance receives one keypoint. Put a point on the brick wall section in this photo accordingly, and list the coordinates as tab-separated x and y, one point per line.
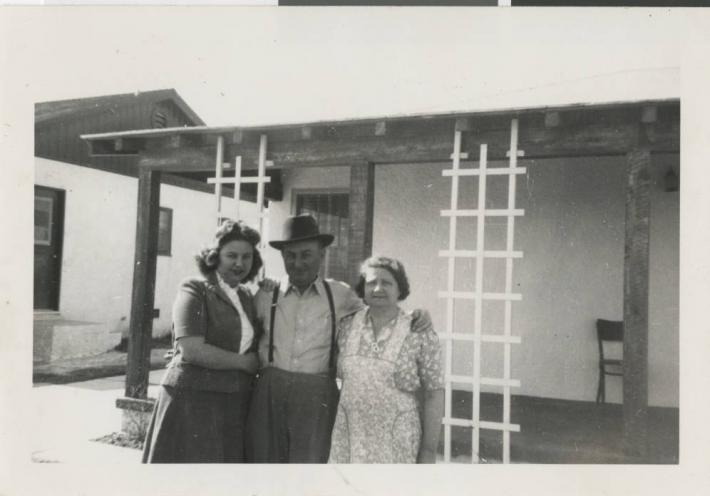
362	202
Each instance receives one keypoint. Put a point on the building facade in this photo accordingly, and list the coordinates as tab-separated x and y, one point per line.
519	227
85	223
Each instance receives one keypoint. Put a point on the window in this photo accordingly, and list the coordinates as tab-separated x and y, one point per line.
165	231
43	220
331	210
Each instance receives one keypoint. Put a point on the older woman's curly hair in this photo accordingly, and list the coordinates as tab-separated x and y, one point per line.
392	266
208	258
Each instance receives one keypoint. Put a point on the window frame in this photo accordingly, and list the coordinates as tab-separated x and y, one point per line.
166	251
49	202
296	192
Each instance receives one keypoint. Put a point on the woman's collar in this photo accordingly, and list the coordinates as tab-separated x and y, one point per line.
223	284
368	315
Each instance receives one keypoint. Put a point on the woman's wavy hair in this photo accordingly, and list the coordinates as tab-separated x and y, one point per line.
392	266
208	258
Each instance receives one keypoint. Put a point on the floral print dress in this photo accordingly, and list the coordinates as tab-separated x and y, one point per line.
378	418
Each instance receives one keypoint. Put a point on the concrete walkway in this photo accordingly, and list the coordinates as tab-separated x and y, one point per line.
69	416
85	368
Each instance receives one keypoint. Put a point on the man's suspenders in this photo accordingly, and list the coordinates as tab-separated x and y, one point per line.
274	299
331	304
331	358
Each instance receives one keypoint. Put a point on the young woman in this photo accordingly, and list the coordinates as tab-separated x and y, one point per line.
201	410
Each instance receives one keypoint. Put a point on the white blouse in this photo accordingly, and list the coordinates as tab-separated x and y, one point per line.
247	328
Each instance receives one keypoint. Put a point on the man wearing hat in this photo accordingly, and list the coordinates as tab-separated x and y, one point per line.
295	400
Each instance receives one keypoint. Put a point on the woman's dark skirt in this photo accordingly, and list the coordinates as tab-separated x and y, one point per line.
193	426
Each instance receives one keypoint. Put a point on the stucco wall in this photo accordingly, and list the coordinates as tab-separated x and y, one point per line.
572	236
99	242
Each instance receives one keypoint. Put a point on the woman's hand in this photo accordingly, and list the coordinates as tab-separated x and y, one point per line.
249	363
267	284
421	320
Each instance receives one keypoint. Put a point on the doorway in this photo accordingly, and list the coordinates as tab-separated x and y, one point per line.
48	240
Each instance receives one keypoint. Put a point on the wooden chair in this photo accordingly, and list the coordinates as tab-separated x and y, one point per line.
608	331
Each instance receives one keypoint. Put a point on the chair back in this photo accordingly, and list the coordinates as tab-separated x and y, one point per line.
610	330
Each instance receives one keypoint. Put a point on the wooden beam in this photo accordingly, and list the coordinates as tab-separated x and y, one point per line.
361	208
117	146
178	160
636	287
538	142
380	149
413	126
175	141
579	140
143	297
594	133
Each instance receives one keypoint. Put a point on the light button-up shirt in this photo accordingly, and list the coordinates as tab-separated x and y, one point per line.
302	325
247	329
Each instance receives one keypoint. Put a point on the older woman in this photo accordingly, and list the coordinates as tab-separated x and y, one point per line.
383	364
201	409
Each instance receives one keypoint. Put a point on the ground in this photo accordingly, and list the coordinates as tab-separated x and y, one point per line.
552	431
121	439
98	375
110	363
69	418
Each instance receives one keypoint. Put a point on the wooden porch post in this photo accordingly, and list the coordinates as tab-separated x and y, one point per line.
362	204
636	277
142	300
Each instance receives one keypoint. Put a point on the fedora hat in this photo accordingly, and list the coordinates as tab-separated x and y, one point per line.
301	228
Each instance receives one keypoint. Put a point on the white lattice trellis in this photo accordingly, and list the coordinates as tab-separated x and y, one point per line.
479	296
237	180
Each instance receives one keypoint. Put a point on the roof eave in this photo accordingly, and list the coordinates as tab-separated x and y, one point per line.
149	133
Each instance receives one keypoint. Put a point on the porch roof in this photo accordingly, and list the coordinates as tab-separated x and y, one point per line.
577	129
